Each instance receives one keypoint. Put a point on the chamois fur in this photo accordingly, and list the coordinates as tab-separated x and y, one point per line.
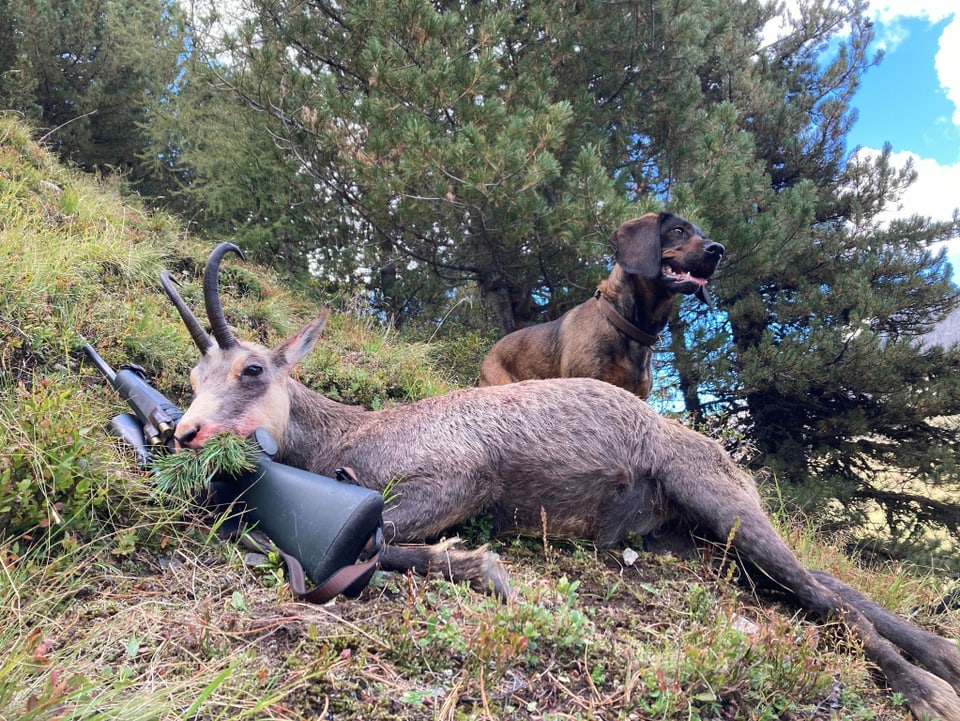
593	460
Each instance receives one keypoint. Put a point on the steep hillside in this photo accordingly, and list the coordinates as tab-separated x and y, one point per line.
115	606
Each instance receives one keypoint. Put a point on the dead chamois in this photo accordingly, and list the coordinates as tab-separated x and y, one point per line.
595	459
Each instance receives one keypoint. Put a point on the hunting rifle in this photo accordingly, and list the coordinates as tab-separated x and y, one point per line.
314	522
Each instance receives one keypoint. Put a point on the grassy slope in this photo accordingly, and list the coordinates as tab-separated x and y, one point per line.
116	608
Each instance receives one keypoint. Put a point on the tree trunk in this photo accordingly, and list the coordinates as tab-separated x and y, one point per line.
496	296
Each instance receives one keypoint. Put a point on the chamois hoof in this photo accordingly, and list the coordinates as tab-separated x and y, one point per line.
933	698
945	662
480	566
494	579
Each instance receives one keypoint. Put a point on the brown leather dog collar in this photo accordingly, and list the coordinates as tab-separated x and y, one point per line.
623	325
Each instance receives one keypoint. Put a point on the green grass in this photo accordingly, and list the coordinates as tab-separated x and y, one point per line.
117	605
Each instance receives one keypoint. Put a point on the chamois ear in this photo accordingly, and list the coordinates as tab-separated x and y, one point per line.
297	346
636	246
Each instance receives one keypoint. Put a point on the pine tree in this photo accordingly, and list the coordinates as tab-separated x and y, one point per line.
88	71
449	147
213	163
492	145
819	353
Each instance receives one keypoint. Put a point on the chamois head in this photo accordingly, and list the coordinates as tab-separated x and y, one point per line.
238	386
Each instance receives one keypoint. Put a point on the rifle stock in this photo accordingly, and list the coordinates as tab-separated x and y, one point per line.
324	523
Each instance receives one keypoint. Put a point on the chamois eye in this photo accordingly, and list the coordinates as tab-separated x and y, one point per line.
252	370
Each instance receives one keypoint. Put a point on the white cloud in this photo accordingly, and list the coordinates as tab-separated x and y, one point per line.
933	194
888	13
935	191
890	33
889	36
948	64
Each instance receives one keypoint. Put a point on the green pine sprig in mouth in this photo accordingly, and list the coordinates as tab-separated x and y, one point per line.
185	474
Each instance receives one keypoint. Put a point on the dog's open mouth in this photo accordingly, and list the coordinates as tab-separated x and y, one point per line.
681	277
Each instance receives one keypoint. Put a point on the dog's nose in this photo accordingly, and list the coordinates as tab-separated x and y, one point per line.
713	248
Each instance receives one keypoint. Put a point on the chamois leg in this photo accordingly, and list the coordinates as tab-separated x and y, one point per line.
422	506
937	654
724	506
422	509
482	568
927	696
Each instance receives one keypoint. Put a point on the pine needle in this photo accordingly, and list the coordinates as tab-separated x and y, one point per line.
183	475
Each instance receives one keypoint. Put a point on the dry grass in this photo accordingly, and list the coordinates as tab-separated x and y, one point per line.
187	631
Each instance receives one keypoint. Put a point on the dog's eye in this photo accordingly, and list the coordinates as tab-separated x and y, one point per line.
679	232
252	370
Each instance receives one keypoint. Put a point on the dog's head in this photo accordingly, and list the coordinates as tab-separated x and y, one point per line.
665	248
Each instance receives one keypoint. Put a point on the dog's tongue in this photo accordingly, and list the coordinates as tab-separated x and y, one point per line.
687	278
682	276
704	295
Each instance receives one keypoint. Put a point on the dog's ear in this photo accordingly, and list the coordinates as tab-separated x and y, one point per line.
636	246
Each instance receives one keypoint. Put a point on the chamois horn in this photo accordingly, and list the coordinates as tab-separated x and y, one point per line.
199	335
211	295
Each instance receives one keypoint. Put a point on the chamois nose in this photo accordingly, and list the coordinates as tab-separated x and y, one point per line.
186	437
713	248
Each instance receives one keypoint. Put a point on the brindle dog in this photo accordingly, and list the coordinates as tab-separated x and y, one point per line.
611	336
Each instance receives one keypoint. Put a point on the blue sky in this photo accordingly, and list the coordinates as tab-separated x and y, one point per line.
902	100
912	101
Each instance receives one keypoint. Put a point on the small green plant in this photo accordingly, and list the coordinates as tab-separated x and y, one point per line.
477	530
769	666
183	475
238	602
391	494
69	201
45	456
54	689
487	638
270	569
